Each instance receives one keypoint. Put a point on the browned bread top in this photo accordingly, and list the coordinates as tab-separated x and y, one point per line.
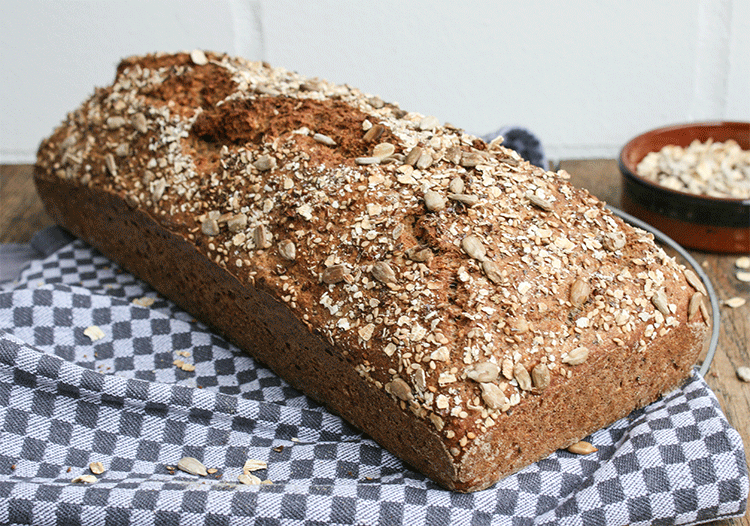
453	275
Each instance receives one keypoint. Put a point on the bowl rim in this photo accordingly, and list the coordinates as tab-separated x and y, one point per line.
697	198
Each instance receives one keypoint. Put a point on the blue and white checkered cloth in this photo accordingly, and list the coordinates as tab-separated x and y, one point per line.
67	400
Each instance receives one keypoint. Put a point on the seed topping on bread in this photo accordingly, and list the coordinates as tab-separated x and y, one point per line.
454	275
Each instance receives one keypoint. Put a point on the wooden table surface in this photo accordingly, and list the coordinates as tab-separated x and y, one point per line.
21	215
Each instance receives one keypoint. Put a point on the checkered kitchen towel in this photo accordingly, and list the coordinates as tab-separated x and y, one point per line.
67	400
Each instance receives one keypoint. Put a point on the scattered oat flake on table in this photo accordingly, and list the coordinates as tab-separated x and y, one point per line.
189	367
735	302
254	465
743	262
744	373
145	301
97	468
85	479
248	479
94	333
743	276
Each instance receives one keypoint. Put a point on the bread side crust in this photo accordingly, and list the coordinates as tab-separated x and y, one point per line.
248	316
609	389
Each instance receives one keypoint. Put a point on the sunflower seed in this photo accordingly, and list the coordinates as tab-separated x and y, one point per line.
157	189
210	227
484	372
424	161
334	274
383	272
694	306
139	122
494	397
471	159
110	164
467	199
659	299
383	150
400	389
413	156
540	376
521	374
695	281
577	356
376	102
374	133
704	312
115	123
539	202
492	271
132	201
265	163
198	57
474	247
367	160
456	185
262	237
418	254
97	468
582	448
613	241
579	292
453	155
122	150
508	368
287	250
192	465
735	302
324	139
434	201
237	223
429	123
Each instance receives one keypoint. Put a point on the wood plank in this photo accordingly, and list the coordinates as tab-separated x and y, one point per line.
21	211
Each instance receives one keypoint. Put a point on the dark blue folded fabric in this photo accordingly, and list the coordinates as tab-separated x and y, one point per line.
522	141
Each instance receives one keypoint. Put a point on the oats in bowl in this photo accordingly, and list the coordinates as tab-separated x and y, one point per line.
718	169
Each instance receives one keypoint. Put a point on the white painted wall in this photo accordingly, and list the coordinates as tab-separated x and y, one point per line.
584	75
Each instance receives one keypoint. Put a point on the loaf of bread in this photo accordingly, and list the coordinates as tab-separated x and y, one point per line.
469	311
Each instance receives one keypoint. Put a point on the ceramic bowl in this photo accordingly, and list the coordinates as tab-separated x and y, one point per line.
700	222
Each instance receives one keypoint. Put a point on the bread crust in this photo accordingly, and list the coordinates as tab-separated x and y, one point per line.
469	331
